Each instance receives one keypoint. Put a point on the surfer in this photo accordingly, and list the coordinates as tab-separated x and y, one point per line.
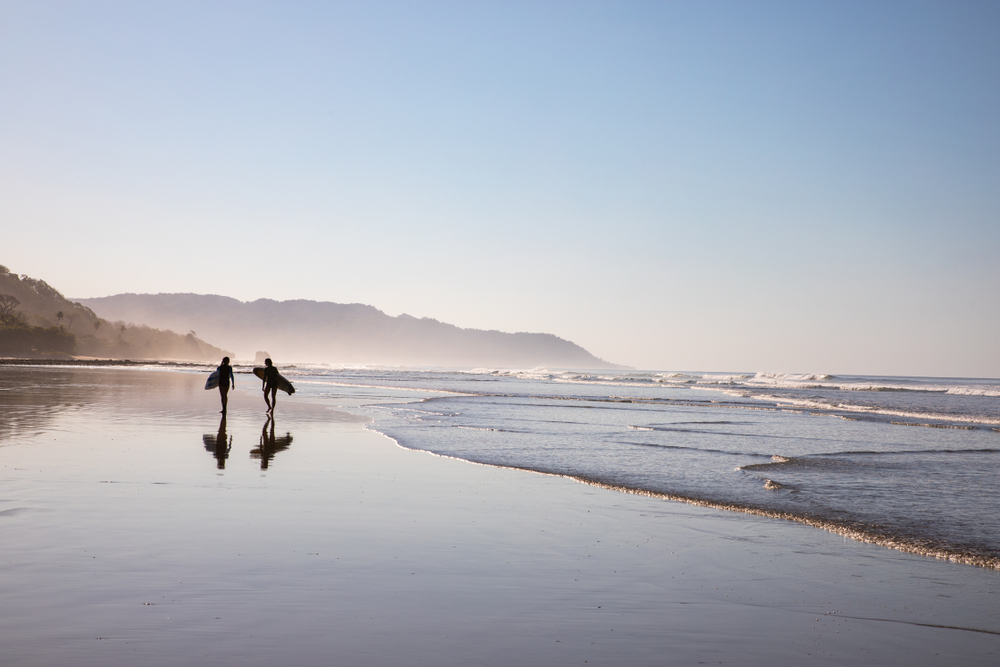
225	378
270	385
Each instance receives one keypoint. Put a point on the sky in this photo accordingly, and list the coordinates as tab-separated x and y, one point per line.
789	187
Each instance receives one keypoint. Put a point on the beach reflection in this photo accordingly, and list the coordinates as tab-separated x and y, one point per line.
269	444
219	444
31	398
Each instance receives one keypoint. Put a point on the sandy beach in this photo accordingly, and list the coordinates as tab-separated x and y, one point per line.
136	532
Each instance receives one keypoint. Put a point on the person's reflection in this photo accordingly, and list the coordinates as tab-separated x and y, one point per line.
270	445
218	444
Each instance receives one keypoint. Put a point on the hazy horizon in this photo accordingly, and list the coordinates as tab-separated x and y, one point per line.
776	186
351	334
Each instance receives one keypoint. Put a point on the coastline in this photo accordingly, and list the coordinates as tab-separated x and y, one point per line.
88	361
127	542
843	528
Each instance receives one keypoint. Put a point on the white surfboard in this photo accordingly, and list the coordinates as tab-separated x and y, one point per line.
213	380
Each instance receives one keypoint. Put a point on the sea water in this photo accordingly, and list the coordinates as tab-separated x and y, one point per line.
909	463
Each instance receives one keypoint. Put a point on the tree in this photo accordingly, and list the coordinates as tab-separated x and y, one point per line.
97	325
59	317
71	317
8	304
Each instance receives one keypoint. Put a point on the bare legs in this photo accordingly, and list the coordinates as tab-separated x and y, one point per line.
273	400
224	392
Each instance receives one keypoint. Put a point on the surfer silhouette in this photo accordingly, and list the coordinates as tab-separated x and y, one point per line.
225	378
270	385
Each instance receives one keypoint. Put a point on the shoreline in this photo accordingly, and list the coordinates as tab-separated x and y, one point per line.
844	529
860	533
128	543
97	362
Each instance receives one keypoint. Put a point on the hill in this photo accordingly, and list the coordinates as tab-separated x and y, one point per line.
36	320
322	331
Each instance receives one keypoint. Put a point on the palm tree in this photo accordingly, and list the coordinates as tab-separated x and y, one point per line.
59	317
97	325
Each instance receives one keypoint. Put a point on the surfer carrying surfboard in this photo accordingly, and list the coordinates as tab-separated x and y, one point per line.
226	377
272	383
270	378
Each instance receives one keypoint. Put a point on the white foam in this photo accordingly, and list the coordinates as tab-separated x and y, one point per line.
789	377
974	391
870	410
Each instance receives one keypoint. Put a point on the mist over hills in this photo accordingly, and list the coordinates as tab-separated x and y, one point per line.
322	331
37	321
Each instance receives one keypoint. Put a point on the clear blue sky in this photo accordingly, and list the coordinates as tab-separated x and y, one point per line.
751	186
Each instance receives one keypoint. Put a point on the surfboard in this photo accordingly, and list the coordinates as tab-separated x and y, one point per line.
213	380
283	384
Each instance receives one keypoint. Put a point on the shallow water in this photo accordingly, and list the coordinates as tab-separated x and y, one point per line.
907	463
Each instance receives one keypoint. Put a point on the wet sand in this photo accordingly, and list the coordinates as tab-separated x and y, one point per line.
135	532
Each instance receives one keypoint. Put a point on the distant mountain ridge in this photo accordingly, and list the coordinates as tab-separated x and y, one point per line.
323	331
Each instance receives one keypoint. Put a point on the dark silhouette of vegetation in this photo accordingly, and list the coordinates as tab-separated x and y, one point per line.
29	341
31	317
8	310
19	338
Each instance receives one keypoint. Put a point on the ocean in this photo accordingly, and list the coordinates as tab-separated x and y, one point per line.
905	462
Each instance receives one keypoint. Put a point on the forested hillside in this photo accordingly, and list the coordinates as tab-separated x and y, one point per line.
38	321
